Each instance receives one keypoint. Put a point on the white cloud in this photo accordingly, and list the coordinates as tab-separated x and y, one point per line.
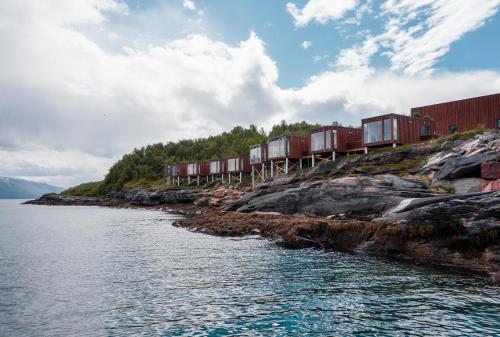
189	4
319	58
358	57
320	11
416	45
306	44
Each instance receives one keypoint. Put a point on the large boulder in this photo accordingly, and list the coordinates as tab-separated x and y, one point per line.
463	159
350	197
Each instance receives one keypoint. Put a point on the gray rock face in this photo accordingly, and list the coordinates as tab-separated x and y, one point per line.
144	197
136	197
464	160
351	196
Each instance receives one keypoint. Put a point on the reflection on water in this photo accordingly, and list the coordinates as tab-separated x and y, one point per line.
96	271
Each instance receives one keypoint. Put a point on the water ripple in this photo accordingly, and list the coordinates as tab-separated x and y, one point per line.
96	271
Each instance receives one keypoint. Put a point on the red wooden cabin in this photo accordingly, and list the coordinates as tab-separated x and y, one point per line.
463	115
258	154
179	170
200	168
334	138
238	164
217	167
394	129
291	147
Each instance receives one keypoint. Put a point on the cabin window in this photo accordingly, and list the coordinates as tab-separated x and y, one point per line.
373	132
277	148
328	139
498	123
395	129
192	169
215	167
174	171
233	165
318	141
453	128
334	139
387	129
255	155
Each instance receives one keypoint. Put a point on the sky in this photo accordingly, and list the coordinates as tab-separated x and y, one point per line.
83	82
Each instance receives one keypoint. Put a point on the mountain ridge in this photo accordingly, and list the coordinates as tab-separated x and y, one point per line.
14	188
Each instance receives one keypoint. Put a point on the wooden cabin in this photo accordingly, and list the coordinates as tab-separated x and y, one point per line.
327	141
198	170
291	147
394	129
217	167
238	164
258	160
285	153
237	167
179	170
258	154
463	115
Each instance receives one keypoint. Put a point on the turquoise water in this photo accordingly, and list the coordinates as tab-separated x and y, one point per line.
89	271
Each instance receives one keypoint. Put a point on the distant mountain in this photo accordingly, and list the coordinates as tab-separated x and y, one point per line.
11	188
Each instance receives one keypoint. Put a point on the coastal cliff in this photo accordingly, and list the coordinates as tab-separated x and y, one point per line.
425	203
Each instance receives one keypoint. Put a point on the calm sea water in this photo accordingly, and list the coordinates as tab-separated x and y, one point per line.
88	271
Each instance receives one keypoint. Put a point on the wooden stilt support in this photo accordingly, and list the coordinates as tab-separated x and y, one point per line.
253	176
313	161
198	181
300	163
334	156
286	165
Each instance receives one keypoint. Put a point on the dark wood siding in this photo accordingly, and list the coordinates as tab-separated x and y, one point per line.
181	170
466	114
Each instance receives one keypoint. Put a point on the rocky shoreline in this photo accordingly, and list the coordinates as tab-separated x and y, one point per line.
352	210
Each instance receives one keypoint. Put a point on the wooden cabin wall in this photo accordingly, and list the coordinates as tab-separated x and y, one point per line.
466	114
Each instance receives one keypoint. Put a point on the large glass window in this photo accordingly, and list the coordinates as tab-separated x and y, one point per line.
215	167
387	129
373	132
174	171
255	155
395	129
277	148
318	141
233	165
192	169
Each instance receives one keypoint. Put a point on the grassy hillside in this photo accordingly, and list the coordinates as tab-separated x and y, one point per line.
145	166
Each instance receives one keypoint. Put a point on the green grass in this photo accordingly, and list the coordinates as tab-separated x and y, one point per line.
442	187
91	189
463	135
